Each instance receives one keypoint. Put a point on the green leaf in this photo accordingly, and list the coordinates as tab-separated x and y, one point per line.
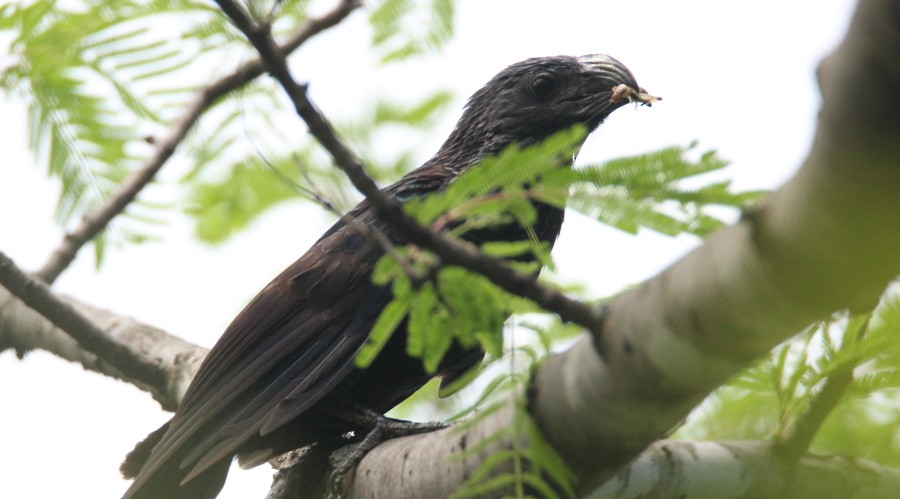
547	460
391	317
421	114
869	383
479	483
461	382
425	316
507	173
227	205
404	28
646	191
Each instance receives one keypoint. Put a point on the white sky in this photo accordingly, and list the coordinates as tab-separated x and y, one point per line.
738	76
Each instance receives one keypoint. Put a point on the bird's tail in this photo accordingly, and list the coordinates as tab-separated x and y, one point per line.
135	459
165	480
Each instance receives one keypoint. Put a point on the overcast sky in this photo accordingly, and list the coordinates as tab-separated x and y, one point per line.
737	76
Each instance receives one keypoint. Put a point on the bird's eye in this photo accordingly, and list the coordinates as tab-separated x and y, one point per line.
543	85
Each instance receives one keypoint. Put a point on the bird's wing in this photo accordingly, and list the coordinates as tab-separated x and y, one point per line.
289	347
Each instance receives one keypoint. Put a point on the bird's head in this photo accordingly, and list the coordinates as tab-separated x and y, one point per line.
533	99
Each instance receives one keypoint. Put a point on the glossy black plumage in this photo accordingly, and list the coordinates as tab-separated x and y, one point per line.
290	352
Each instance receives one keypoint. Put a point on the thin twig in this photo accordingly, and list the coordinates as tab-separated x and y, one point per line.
795	441
406	264
451	252
39	297
96	222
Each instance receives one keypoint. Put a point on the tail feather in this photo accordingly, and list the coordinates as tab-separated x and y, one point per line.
135	459
165	481
252	459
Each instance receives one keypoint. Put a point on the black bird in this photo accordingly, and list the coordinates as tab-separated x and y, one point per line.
289	355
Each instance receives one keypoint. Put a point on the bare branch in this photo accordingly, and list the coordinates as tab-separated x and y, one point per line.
450	251
97	221
116	346
38	296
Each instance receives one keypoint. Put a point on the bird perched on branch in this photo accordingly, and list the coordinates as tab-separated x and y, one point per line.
273	381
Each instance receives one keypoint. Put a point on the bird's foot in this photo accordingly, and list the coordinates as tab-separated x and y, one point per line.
347	457
380	428
389	427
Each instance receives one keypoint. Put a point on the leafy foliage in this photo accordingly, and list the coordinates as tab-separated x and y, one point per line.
102	77
229	186
225	207
766	400
645	191
97	76
531	468
393	21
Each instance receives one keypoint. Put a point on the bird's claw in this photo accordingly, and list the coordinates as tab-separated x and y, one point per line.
381	428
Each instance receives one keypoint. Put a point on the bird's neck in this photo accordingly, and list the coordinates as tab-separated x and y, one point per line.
474	140
467	147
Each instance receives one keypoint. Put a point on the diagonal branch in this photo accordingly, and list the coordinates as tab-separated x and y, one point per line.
97	221
39	297
32	317
450	251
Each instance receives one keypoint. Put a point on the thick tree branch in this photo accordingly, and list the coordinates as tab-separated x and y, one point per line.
450	251
97	221
682	468
32	317
429	466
